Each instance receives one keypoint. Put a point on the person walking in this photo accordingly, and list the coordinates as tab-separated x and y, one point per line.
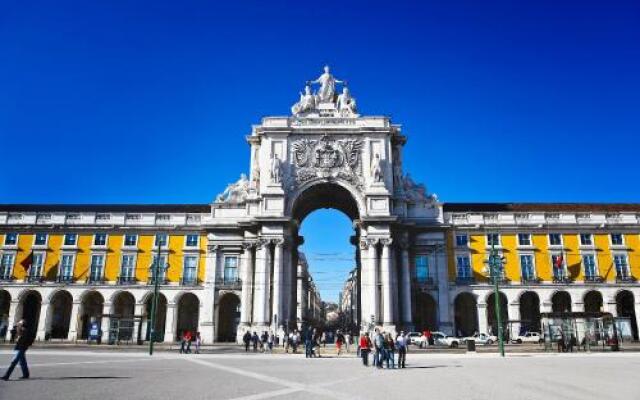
323	340
246	338
254	341
264	338
347	342
294	341
308	342
401	345
365	348
188	339
390	350
270	340
339	341
24	340
378	348
198	342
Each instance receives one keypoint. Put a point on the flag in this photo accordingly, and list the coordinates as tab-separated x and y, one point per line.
558	263
26	263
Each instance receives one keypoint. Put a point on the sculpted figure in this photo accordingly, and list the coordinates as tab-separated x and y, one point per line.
346	103
276	169
327	83
235	192
376	169
306	103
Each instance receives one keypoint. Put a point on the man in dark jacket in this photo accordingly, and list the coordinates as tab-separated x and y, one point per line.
247	340
24	341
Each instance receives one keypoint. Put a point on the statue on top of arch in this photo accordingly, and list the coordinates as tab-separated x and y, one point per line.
325	98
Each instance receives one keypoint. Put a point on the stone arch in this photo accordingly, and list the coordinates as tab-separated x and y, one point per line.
161	316
465	314
593	301
228	317
91	310
59	318
326	194
529	311
123	306
561	301
29	304
5	306
625	307
426	312
492	321
188	308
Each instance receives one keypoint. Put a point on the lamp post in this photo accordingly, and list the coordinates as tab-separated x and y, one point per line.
495	266
154	305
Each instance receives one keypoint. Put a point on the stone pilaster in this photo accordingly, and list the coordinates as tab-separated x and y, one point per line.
483	326
247	283
170	323
388	318
277	314
73	321
42	321
261	286
405	282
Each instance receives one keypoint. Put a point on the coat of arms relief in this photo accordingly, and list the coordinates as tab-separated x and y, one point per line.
327	158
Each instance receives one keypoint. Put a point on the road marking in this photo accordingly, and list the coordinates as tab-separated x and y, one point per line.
92	362
268	395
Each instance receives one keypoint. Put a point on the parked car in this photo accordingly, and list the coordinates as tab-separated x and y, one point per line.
481	338
417	339
441	339
528	337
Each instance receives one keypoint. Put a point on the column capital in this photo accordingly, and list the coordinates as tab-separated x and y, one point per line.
248	245
279	242
214	248
364	244
261	243
386	242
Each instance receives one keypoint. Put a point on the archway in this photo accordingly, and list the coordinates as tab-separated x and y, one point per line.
593	301
91	310
561	302
5	305
530	312
426	312
29	310
465	314
228	317
161	317
625	307
492	321
59	318
123	309
188	314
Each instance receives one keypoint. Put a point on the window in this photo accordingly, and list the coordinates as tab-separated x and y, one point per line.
6	265
524	239
422	268
70	239
161	240
190	268
127	270
100	239
586	239
526	267
617	239
130	240
11	239
40	239
66	267
97	266
462	240
589	264
558	265
230	269
493	239
555	239
191	241
37	265
463	267
622	268
162	267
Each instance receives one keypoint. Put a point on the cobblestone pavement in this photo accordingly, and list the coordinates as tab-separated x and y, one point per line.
71	374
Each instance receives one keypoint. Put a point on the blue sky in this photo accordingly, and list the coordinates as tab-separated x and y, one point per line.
149	102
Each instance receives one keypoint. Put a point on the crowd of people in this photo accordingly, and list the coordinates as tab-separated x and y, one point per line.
384	348
185	342
312	340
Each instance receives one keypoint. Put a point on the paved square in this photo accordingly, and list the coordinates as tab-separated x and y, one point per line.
117	375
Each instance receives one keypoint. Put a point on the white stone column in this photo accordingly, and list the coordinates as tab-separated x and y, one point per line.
137	311
374	282
42	321
73	321
276	312
104	322
405	282
301	296
482	318
261	286
514	315
286	284
247	283
445	315
13	307
207	320
170	323
388	318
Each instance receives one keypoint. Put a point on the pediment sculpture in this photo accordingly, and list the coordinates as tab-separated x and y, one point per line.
325	99
235	193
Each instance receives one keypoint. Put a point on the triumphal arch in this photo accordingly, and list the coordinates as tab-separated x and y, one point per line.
326	154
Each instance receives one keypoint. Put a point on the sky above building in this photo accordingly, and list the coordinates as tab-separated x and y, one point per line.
150	102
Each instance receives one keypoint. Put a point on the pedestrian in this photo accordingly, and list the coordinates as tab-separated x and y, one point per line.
365	348
401	345
294	341
246	338
317	339
254	340
198	342
390	351
287	342
378	347
339	341
263	341
183	342
188	339
347	342
308	342
24	340
270	342
323	339
12	334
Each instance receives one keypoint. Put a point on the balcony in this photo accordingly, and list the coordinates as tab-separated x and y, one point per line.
35	278
189	281
95	280
6	277
500	279
593	279
562	279
465	280
530	280
625	279
127	280
161	280
65	279
235	283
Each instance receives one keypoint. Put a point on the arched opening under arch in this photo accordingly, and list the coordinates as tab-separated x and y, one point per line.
593	301
561	302
492	321
123	309
465	314
228	317
188	314
59	318
5	305
426	315
91	310
530	312
29	310
160	320
625	307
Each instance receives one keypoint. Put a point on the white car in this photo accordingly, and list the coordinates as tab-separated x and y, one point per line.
528	337
482	338
441	339
417	339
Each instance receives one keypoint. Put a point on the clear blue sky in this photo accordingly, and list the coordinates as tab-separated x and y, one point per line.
149	102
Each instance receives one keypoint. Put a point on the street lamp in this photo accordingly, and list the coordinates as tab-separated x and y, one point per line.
495	267
154	305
